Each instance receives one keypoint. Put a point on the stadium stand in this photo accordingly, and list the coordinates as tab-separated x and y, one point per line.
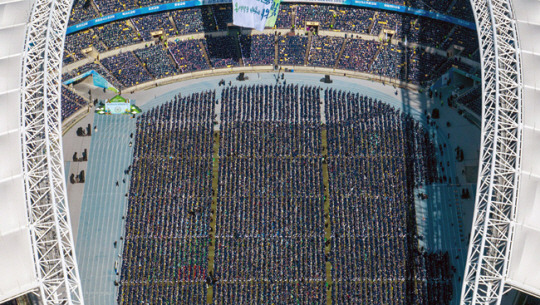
153	23
69	57
465	38
292	50
106	7
189	21
324	51
188	55
157	61
358	55
312	12
472	99
461	9
82	10
117	34
389	21
126	68
355	20
429	32
257	50
81	40
223	51
222	15
389	61
71	102
330	17
284	18
424	66
92	66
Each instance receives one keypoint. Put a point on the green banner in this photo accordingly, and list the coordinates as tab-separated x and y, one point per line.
272	16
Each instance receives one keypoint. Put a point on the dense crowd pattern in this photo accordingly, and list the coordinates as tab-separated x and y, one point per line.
358	55
390	61
145	25
165	255
118	34
423	65
80	41
219	49
292	50
83	10
324	51
415	65
345	19
257	50
377	156
71	102
188	55
126	68
157	60
223	51
194	20
270	233
270	212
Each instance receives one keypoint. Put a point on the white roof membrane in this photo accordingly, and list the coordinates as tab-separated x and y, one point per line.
17	272
524	260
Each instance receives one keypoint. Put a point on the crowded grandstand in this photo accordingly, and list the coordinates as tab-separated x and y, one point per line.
401	47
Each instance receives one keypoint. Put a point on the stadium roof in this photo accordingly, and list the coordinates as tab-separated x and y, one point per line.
524	268
17	275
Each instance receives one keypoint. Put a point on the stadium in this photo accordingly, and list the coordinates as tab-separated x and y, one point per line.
348	152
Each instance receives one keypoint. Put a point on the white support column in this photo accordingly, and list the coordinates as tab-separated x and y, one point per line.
43	169
500	153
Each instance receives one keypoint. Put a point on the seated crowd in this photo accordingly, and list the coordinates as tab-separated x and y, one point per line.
83	10
270	245
187	55
324	51
126	68
377	156
269	231
147	24
165	255
292	50
117	34
389	61
358	55
157	60
257	50
345	19
222	51
395	60
191	21
71	102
